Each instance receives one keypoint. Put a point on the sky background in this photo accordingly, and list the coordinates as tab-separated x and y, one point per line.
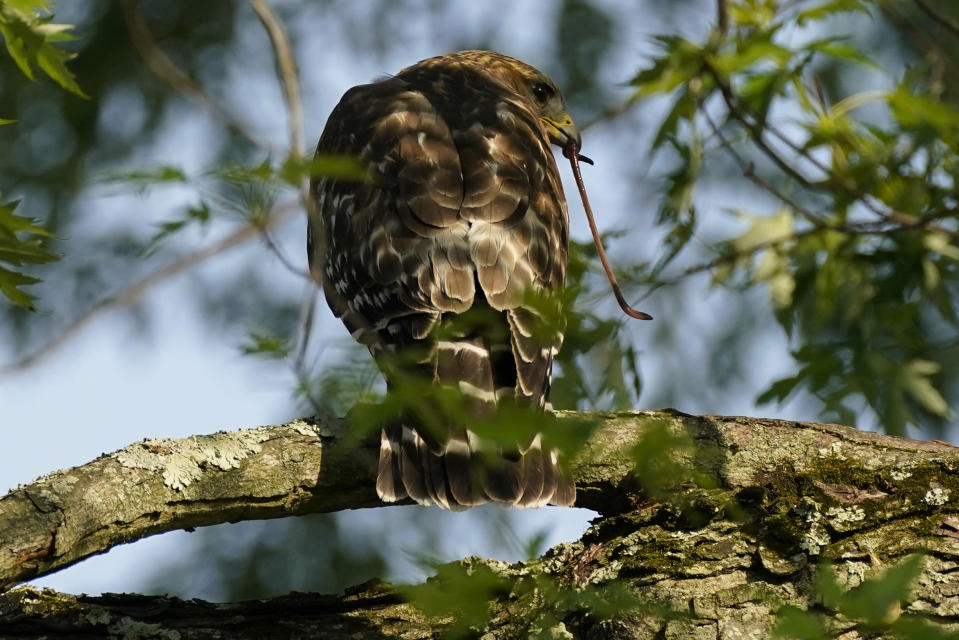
167	373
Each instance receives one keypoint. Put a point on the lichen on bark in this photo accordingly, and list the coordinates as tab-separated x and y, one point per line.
744	519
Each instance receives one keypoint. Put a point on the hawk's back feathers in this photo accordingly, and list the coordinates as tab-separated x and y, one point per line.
466	214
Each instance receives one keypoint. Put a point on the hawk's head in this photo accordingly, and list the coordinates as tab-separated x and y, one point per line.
525	81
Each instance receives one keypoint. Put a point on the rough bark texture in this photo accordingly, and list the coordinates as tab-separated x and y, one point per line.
712	552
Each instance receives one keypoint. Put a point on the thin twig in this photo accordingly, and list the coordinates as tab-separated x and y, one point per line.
286	67
289	76
928	47
135	291
728	258
722	16
951	25
286	262
749	171
308	313
755	129
166	70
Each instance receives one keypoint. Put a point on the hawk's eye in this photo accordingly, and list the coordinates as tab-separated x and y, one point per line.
542	92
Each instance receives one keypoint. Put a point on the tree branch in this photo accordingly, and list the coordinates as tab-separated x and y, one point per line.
951	25
745	531
286	69
306	467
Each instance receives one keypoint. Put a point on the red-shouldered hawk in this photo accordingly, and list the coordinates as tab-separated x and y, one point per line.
464	214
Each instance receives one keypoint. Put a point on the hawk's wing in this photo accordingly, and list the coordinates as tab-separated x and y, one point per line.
465	213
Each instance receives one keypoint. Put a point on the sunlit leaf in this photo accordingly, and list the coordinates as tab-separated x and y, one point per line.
682	60
916	376
775	270
836	48
750	53
341	167
828	9
29	39
266	344
765	230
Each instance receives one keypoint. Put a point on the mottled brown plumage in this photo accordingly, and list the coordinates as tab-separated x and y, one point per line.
465	214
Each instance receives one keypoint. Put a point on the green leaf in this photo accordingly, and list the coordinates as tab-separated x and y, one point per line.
339	166
765	230
877	600
938	242
28	6
834	48
461	594
199	214
916	376
17	250
10	283
684	108
29	41
779	390
682	61
831	8
4	121
11	224
758	90
147	177
910	627
925	115
753	13
678	207
755	51
774	269
795	624
660	460
266	344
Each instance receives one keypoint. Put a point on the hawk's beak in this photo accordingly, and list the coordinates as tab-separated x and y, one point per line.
562	130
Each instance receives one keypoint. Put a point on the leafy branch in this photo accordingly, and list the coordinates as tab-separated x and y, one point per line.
864	253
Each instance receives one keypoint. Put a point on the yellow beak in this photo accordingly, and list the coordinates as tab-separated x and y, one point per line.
563	130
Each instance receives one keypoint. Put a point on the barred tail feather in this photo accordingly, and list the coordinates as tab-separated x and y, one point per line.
459	470
564	495
410	466
535	490
462	477
502	477
389	482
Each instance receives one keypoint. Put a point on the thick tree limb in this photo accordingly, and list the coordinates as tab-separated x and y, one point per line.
710	558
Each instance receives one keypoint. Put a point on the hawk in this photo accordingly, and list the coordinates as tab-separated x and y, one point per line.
464	214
